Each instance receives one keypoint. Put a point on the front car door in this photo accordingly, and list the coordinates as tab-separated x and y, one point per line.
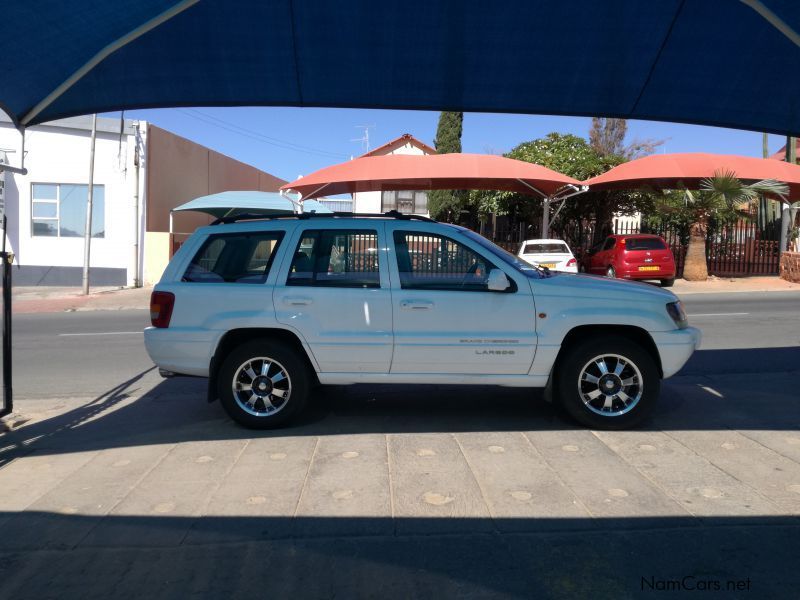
446	320
335	293
602	258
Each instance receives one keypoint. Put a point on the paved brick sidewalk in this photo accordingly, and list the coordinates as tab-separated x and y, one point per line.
391	492
59	299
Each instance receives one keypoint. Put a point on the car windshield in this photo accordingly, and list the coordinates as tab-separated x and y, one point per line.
517	263
644	244
546	248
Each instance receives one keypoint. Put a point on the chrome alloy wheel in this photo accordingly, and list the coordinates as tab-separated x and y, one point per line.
610	385
261	386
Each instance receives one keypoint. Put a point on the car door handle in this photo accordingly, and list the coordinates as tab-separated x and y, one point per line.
297	301
416	304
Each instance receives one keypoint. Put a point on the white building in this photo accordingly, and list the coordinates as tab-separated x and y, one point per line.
46	209
409	202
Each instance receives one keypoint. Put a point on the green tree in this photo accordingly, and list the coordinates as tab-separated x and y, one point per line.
446	205
574	156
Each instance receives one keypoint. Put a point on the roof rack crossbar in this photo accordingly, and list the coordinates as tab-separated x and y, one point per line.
392	214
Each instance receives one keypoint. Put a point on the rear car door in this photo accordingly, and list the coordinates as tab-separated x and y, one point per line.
335	293
446	320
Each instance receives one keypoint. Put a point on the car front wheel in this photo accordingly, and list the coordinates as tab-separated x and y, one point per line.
608	383
263	384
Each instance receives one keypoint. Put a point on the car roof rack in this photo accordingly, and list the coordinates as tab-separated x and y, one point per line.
392	214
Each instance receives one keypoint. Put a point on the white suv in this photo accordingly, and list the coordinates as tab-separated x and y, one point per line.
266	309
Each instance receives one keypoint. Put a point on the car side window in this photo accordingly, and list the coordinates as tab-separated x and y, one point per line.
433	262
244	257
609	243
336	258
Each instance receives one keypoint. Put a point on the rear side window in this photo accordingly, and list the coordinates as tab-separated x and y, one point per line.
336	258
546	248
234	258
644	244
609	243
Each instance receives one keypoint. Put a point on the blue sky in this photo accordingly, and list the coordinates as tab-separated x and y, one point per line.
289	142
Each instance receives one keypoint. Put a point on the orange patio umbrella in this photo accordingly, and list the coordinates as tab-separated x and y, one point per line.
436	172
687	170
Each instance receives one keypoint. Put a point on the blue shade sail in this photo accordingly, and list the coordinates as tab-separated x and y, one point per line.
716	62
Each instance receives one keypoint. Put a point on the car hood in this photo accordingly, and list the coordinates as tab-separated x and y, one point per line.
600	288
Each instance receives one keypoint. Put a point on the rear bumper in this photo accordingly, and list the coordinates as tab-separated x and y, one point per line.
675	347
635	273
181	351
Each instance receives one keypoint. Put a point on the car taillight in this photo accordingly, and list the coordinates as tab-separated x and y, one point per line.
161	304
572	262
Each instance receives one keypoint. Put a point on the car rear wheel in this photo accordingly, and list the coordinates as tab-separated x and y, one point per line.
611	273
263	384
608	383
667	282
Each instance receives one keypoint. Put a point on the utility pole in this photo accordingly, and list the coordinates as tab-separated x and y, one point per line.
136	160
87	236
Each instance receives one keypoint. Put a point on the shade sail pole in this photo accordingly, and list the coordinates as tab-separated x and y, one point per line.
314	193
102	55
774	20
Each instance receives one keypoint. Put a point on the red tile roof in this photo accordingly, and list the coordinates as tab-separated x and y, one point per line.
404	139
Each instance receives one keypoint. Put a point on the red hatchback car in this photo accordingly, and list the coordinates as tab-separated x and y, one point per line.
638	256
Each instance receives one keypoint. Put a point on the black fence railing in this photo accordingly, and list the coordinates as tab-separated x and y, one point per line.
736	249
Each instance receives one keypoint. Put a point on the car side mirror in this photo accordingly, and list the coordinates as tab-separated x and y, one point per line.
498	281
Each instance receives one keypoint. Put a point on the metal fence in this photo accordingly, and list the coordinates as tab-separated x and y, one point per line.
736	249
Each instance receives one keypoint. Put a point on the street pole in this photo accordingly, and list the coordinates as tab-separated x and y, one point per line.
87	236
136	281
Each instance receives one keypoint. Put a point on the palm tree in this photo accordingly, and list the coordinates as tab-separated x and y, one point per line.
720	196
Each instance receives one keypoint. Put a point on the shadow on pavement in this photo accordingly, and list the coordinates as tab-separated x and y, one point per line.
235	557
758	392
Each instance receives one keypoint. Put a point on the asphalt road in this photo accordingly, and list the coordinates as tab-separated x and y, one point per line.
84	354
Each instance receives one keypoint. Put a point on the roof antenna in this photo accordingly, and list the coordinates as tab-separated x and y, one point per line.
364	139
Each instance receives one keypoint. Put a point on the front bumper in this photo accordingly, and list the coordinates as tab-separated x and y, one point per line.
675	347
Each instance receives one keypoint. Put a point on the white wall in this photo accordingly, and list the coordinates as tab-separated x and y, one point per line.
57	154
370	202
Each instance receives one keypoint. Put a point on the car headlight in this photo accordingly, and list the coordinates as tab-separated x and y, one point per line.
675	310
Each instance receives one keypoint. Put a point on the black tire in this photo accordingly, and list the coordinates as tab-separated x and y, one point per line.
282	358
570	394
667	282
611	273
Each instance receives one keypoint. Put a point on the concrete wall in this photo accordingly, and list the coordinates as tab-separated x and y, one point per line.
179	170
59	153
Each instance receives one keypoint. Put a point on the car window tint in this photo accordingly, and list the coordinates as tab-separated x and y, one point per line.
609	244
546	248
644	244
336	258
234	258
434	262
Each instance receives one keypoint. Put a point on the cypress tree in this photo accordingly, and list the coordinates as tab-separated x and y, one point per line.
447	204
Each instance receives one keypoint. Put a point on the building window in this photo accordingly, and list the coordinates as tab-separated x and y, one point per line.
405	201
59	210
